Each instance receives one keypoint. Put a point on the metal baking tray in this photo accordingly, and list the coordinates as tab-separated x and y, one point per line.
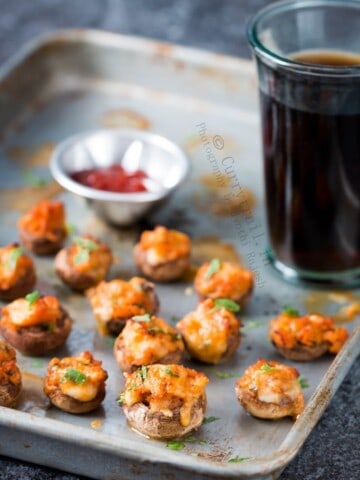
78	80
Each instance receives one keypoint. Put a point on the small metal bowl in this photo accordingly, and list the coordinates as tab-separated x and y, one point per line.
163	161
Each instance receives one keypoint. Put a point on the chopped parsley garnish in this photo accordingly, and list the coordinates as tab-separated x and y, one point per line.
170	372
227	303
33	180
142	318
292	312
202	441
121	398
214	267
174	318
75	376
266	367
302	381
49	326
238	459
142	373
85	246
13	257
32	297
86	243
175	445
250	325
210	420
36	363
224	375
81	257
190	439
174	336
110	341
69	228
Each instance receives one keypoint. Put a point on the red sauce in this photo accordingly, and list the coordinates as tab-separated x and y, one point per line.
112	179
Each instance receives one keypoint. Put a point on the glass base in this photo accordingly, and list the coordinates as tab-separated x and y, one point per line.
346	280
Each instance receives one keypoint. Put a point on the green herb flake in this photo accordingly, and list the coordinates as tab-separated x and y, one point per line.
142	318
303	382
224	375
174	318
190	439
121	399
251	325
86	243
142	373
202	441
290	311
214	267
266	367
75	376
69	227
33	180
110	341
174	336
36	363
210	420
228	304
32	297
81	257
175	445
49	326
238	459
171	373
13	258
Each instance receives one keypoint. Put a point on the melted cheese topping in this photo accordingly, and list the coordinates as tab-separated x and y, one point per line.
46	219
95	260
230	281
12	271
164	388
121	299
162	245
273	382
310	330
44	310
148	342
207	331
91	376
9	372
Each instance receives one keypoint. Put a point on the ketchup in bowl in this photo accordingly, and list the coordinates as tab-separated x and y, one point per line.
112	179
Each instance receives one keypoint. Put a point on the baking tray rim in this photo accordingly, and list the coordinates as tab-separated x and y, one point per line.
105	442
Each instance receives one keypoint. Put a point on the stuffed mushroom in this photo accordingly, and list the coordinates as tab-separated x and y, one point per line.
145	340
163	255
116	301
17	273
164	401
84	263
218	279
211	332
75	384
307	337
43	229
270	390
36	324
10	376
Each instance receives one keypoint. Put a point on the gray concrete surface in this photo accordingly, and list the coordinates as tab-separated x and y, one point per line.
332	452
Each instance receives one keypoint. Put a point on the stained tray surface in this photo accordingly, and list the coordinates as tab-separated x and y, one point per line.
75	81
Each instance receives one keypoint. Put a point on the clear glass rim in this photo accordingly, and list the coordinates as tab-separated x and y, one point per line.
288	5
